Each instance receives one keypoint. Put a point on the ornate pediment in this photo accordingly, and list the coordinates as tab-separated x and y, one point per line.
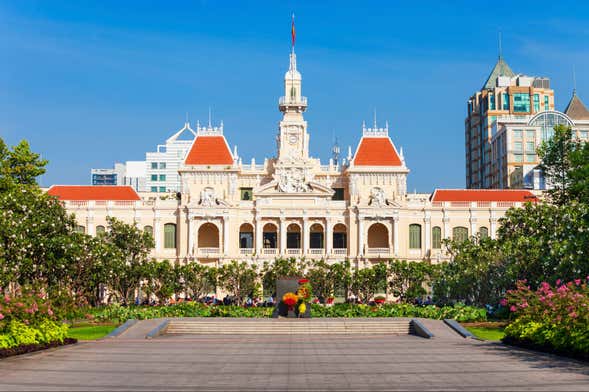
276	189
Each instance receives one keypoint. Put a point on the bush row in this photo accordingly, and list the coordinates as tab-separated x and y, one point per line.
17	333
194	309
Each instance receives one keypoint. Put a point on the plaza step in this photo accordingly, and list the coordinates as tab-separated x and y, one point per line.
289	327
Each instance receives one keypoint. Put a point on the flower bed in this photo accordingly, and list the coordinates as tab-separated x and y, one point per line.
551	318
28	323
194	309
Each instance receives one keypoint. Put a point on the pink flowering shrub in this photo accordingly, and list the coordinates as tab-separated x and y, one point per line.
28	319
553	317
29	308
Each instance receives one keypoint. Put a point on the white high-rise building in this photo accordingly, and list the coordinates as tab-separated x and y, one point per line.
163	164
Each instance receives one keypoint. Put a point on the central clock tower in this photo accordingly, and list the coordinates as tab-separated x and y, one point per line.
292	138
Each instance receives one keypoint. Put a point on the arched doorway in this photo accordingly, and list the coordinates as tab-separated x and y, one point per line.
378	236
269	236
293	236
208	238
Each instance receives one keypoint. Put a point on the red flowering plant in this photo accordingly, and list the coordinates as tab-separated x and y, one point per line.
290	300
553	316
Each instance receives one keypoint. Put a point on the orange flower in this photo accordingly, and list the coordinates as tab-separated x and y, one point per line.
290	299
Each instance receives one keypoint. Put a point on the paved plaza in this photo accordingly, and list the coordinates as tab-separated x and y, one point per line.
293	362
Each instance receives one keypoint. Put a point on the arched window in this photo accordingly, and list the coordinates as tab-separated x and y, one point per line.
436	237
246	236
316	237
484	232
460	234
148	229
169	235
100	230
80	229
340	240
414	236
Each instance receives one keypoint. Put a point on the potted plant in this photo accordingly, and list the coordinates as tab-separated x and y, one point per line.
379	299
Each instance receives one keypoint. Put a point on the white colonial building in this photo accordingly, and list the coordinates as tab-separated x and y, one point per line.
292	205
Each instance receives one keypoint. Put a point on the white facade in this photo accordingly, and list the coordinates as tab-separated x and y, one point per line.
163	164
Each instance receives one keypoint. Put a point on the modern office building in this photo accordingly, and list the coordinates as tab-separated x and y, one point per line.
504	95
130	173
159	172
515	140
162	165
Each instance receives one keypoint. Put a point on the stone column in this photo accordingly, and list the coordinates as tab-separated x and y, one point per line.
360	235
90	225
191	235
282	236
428	231
226	235
328	236
473	218
306	236
493	221
396	235
259	236
445	221
157	235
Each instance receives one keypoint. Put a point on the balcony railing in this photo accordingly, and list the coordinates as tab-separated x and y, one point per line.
77	203
340	251
293	101
246	251
293	251
208	251
316	251
270	251
376	251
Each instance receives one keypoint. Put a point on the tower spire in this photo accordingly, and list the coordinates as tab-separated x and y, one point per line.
574	81
500	48
293	34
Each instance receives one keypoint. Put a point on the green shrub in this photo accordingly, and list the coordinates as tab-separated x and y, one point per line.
459	312
51	331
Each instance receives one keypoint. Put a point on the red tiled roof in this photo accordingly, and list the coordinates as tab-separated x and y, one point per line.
93	192
209	150
482	195
376	151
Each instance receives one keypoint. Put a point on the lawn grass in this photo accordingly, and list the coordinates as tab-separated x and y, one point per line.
90	332
486	333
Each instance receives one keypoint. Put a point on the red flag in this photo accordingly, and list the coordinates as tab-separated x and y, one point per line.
292	32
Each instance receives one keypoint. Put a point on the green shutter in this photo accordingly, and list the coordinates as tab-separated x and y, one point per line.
436	237
169	235
414	236
460	234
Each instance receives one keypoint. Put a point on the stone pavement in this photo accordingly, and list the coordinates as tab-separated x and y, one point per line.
321	362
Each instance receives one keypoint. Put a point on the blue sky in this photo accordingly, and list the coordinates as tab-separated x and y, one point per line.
91	83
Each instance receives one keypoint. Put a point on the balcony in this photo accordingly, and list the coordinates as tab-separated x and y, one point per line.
316	251
339	251
208	252
246	251
378	252
295	101
293	251
270	251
